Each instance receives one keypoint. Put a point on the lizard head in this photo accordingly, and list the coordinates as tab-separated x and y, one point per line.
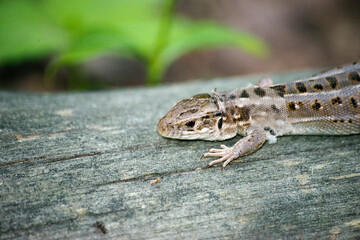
197	117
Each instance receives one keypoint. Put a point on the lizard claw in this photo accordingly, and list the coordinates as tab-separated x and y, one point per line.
243	147
213	153
226	155
227	158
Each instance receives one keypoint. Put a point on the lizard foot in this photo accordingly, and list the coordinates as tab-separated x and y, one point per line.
243	147
226	155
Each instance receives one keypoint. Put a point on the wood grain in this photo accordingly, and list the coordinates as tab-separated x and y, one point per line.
70	161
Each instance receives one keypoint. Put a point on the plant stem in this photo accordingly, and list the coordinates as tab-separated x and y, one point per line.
154	69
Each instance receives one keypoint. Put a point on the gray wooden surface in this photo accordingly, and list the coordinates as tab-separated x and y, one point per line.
69	160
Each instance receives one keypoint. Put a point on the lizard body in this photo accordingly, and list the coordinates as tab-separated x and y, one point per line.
326	103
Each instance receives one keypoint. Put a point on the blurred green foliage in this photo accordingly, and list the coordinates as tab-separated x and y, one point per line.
74	31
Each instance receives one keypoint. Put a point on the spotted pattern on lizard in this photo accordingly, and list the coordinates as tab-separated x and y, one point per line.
326	103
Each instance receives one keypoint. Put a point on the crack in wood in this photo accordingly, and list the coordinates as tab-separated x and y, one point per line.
129	148
87	214
149	176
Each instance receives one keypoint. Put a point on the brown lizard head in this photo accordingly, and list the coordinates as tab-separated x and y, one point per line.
197	117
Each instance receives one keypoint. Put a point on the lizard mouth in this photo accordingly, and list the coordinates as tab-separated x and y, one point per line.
168	129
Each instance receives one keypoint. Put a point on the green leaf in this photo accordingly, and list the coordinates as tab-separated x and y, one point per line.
94	44
186	37
76	31
26	33
142	36
98	27
80	16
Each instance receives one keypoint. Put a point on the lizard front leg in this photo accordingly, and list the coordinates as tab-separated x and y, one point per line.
244	146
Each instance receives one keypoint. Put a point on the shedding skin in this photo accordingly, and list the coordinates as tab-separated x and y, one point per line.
265	82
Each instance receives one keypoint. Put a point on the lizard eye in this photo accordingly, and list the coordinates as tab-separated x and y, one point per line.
190	124
220	122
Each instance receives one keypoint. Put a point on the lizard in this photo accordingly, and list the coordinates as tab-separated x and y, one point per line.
327	103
